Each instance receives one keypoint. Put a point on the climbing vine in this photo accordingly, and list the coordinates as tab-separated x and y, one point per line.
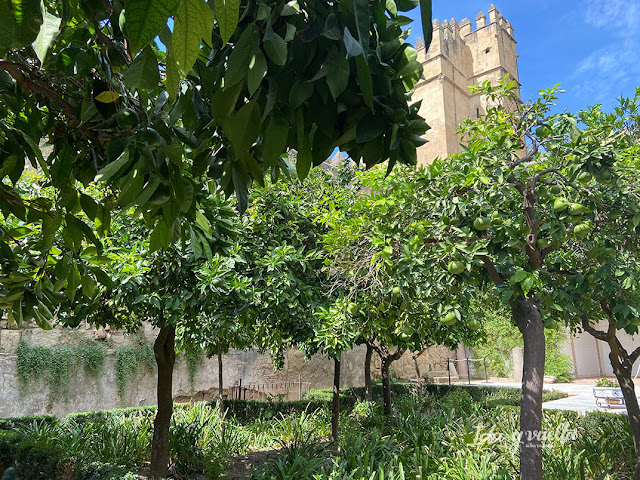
129	360
193	359
54	365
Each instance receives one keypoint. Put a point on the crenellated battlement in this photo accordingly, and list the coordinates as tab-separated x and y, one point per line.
465	26
461	54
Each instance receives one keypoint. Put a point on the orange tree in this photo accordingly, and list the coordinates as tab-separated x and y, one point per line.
522	212
598	280
395	296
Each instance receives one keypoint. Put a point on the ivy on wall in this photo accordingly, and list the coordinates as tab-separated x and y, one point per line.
53	365
129	360
194	359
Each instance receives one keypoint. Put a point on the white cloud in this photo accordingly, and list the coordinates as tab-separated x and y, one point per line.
620	14
615	66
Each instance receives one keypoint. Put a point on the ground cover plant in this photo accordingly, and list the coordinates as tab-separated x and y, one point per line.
450	432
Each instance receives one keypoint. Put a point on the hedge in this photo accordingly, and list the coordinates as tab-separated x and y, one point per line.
246	411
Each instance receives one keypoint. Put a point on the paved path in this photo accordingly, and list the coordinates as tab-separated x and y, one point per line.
580	397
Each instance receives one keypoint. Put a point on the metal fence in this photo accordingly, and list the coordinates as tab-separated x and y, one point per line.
270	391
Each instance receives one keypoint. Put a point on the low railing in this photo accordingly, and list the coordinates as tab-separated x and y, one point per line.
270	390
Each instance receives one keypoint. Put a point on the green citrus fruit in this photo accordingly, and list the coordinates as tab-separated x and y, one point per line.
542	243
556	189
560	205
576	209
352	308
150	136
482	223
584	177
455	267
448	319
474	325
582	229
127	118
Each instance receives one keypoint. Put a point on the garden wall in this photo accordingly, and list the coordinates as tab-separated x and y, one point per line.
87	392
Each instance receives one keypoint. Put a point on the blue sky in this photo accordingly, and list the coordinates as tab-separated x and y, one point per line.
591	47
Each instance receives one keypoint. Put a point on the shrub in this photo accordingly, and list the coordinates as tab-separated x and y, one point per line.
605	382
458	401
39	461
368	414
8	443
502	337
246	411
15	423
101	471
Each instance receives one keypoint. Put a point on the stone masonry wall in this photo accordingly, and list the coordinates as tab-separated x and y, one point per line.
87	393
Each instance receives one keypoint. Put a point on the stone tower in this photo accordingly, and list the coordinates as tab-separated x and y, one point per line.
458	58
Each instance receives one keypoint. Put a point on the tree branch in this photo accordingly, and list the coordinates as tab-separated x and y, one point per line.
22	75
491	270
592	331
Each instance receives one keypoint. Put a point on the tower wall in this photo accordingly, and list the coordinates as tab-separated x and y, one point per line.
460	56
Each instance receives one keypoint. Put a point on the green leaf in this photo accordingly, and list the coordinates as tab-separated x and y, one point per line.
114	167
240	185
274	139
50	225
227	15
193	23
303	163
143	72
89	206
361	10
254	168
275	47
40	316
366	82
6	26
300	92
48	32
27	20
173	76
172	80
337	72
426	15
240	57
243	127
196	248
353	46
160	237
130	189
144	19
332	28
257	71
88	286
107	96
33	151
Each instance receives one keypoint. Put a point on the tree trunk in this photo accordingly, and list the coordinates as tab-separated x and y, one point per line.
165	353
386	387
529	321
387	359
335	404
220	389
414	357
633	411
368	393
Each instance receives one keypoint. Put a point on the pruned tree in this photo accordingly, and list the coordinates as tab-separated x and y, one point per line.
506	213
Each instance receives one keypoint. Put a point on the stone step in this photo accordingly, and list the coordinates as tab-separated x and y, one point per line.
444	379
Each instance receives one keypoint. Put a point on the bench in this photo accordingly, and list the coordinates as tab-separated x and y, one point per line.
608	396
